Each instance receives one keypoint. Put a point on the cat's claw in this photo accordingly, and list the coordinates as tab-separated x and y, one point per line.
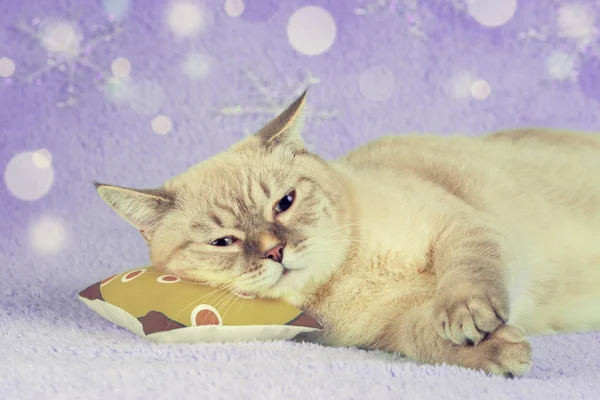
466	317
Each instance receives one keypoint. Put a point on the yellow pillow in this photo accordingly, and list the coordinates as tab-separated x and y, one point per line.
165	309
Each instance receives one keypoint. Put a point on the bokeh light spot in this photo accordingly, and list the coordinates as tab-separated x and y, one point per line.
47	235
492	13
561	66
377	83
311	30
161	125
459	86
576	21
7	67
234	8
480	89
146	97
25	180
116	8
121	67
117	89
185	18
59	36
197	65
42	158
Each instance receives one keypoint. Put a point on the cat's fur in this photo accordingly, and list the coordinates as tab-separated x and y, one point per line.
445	249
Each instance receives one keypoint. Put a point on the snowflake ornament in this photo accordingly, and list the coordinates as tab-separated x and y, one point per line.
271	103
68	53
533	34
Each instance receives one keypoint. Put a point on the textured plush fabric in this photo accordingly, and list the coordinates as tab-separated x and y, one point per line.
406	66
56	348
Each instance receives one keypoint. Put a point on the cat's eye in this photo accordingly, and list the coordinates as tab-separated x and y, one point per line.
224	241
285	202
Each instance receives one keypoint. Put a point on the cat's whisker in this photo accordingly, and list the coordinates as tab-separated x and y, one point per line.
188	306
199	299
222	302
231	304
224	295
350	225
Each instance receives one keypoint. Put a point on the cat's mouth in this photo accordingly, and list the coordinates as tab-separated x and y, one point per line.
288	269
285	272
286	275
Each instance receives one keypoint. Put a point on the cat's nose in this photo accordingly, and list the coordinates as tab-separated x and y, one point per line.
276	253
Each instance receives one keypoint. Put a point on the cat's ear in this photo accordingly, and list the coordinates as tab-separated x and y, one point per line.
144	209
286	128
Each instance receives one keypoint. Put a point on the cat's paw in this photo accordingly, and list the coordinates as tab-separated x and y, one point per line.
465	315
504	352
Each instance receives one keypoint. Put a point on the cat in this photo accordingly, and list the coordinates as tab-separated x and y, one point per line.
446	249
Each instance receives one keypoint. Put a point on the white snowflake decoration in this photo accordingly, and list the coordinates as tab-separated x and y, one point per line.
533	34
271	104
67	52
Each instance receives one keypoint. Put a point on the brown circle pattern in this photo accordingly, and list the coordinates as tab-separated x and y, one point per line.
205	315
128	277
168	279
106	281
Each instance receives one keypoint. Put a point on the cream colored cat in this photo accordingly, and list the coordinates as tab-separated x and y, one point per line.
445	249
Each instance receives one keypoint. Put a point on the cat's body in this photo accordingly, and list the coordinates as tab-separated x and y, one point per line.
415	244
542	193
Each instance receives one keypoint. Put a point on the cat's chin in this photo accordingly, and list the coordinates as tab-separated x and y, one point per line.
285	275
289	281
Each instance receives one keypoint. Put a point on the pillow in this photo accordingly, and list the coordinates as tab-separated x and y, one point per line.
165	309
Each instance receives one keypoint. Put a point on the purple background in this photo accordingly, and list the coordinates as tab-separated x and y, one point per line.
101	139
543	68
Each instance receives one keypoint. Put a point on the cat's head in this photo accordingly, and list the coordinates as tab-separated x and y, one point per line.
264	217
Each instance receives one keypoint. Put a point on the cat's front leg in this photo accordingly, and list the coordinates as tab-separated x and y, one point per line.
503	352
471	300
